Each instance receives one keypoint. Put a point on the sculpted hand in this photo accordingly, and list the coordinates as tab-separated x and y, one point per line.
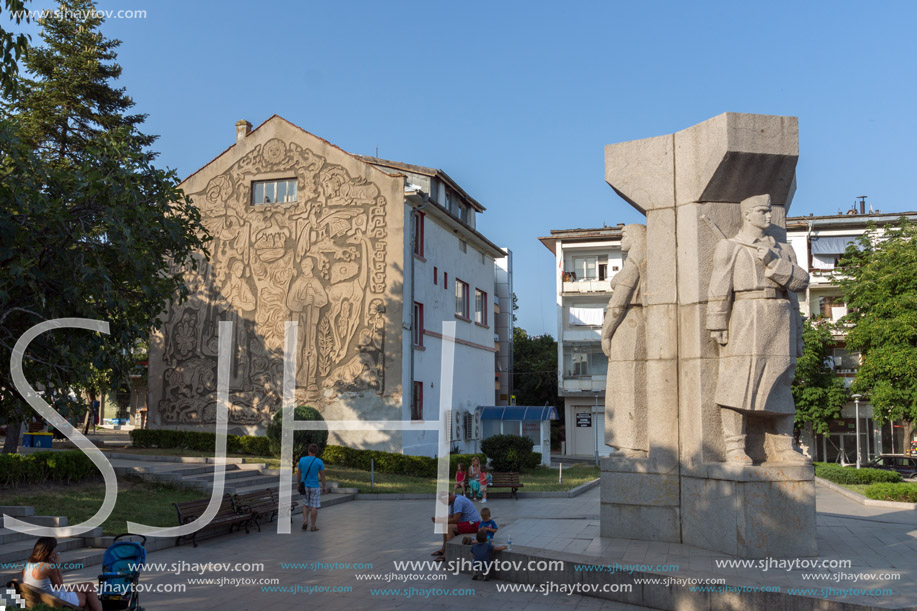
766	255
720	337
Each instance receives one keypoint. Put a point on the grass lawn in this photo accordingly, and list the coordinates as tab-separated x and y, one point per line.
139	501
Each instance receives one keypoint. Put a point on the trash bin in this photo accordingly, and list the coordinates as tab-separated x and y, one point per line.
27	440
42	440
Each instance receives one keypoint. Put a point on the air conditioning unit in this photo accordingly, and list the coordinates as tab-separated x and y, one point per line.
469	426
456	427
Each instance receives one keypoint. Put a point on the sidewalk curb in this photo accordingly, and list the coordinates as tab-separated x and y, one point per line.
862	500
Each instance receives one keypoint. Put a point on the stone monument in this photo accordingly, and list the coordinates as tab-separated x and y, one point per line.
719	470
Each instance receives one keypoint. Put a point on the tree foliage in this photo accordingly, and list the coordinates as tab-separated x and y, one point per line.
11	46
879	278
534	369
818	393
89	227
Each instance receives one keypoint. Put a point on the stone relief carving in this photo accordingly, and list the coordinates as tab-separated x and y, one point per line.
753	314
320	260
624	343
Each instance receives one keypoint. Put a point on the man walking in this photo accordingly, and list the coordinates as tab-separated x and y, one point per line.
311	469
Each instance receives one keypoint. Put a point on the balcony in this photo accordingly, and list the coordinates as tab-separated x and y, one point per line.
587	286
583	383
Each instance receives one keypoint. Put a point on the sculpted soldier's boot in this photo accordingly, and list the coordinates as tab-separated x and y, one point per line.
734	431
735	450
782	448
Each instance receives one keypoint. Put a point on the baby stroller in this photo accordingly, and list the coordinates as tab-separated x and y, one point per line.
117	583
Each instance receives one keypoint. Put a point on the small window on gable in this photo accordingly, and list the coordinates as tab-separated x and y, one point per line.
274	191
463	245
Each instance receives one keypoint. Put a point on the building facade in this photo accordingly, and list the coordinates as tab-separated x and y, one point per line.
370	257
819	242
585	261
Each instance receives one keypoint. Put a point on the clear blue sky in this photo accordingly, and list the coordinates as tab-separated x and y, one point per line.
516	100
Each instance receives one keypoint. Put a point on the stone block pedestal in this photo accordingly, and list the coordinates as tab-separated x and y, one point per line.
639	500
750	512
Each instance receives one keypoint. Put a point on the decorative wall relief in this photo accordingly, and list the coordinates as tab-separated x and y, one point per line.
319	260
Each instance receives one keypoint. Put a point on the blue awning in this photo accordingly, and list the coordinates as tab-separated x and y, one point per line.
517	412
833	245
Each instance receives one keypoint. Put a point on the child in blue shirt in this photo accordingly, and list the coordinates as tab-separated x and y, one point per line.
487	525
483	553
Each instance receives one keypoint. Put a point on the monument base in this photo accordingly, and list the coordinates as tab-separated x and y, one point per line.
765	511
639	500
750	512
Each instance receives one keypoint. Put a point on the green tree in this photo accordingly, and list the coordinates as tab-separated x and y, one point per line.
89	228
70	99
534	369
11	46
818	393
879	277
301	439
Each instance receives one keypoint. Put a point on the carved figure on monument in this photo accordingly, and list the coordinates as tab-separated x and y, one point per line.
753	314
624	343
307	297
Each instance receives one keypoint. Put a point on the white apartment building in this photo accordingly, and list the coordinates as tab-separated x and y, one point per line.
449	277
818	242
585	261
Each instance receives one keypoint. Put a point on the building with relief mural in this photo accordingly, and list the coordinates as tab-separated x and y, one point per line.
370	256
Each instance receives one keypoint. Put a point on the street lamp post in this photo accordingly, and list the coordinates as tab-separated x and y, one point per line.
595	426
856	403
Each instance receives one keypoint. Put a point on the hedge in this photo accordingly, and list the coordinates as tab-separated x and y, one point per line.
72	466
390	462
200	441
852	475
905	493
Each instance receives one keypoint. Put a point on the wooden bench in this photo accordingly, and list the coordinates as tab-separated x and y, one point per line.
227	515
260	503
34	596
506	480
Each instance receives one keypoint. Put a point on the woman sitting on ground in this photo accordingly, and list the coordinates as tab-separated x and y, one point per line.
42	572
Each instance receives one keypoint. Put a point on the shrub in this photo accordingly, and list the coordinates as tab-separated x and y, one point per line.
19	469
390	462
851	475
508	452
902	492
301	439
199	440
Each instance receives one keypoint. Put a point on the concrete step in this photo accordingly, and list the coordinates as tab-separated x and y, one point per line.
19	551
11	536
17	511
46	520
229	475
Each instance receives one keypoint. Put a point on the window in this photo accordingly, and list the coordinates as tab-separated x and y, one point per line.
480	307
417	402
603	271
585	268
435	274
461	299
584	361
463	245
274	191
417	232
463	213
417	325
445	281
